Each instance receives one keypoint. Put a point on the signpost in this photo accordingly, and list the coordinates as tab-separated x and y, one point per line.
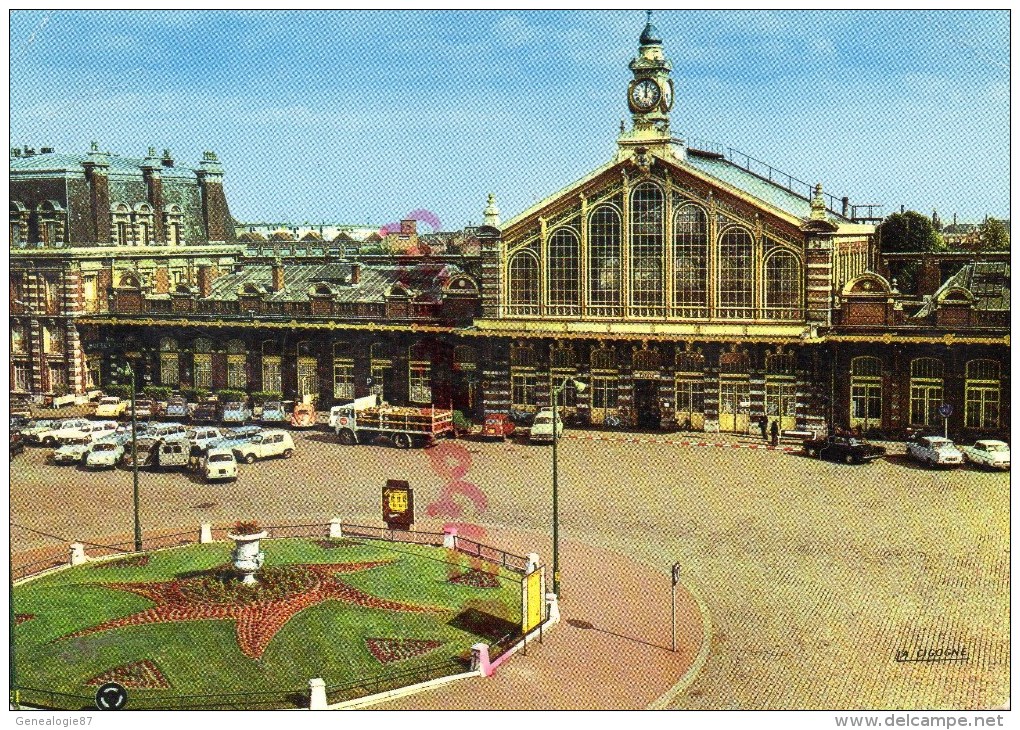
676	579
398	505
946	410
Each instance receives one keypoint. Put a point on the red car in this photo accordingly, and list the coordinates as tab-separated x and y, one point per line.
304	416
497	426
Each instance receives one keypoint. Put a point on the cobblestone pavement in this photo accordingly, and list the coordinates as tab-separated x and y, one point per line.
815	574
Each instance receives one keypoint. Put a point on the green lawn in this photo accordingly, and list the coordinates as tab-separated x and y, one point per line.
326	639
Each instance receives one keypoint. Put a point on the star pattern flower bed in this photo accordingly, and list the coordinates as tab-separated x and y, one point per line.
183	617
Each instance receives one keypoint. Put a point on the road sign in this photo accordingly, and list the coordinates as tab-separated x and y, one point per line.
946	410
111	696
676	574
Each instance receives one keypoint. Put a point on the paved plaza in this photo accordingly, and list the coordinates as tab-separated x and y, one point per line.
815	577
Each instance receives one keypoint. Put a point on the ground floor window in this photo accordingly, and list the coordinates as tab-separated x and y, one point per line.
93	378
604	396
734	406
982	405
420	381
523	388
689	396
925	399
203	371
380	370
237	378
272	379
58	378
343	379
781	402
169	371
568	395
307	377
21	379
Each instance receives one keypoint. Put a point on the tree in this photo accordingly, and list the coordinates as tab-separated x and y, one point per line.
908	232
994	235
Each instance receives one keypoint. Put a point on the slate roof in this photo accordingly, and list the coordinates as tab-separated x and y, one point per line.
987	281
60	162
425	282
768	192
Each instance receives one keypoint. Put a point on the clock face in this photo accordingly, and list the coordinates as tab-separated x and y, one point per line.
667	95
645	94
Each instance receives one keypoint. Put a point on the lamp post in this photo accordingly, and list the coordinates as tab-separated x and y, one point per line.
128	371
555	474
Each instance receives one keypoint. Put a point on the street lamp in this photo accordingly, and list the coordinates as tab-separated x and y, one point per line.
128	372
555	474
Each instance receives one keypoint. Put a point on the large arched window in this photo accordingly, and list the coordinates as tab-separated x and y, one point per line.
736	281
926	385
782	286
202	362
604	384
865	392
419	372
522	283
523	377
343	372
604	262
564	273
169	362
690	263
646	280
237	371
982	394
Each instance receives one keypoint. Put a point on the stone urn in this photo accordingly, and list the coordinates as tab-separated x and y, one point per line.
246	556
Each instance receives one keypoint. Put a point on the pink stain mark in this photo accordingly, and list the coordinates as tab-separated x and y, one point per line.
421	214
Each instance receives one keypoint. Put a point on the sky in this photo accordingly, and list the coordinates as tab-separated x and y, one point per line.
364	116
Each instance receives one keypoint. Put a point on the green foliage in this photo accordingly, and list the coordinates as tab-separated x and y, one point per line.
261	396
157	392
228	394
994	235
461	422
372	250
908	232
195	395
117	389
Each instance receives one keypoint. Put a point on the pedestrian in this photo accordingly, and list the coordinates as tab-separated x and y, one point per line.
775	433
763	426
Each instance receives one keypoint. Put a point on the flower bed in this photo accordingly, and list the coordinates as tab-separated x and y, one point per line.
333	544
476	579
135	561
143	674
395	650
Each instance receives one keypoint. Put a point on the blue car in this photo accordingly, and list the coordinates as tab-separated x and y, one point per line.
177	408
274	411
235	437
236	412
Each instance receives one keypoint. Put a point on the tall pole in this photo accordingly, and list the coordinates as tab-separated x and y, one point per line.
555	495
134	461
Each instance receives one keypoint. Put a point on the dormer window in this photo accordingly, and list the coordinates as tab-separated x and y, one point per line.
173	225
120	224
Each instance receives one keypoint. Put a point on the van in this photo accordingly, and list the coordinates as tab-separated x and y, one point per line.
265	445
173	454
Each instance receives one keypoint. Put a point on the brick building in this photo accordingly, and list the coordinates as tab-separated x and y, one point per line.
687	287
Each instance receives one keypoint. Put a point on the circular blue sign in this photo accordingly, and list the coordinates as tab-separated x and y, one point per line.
946	409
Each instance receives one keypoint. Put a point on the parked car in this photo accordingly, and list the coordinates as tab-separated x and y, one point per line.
167	431
176	407
847	449
304	416
105	454
203	436
934	451
92	430
73	450
273	411
17	443
111	407
542	427
20	406
497	426
19	422
219	464
206	412
994	454
236	437
143	410
236	412
172	454
49	436
265	445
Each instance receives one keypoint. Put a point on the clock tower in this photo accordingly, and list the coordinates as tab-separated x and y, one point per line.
649	96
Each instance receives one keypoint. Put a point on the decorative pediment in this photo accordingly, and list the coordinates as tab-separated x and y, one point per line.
867	284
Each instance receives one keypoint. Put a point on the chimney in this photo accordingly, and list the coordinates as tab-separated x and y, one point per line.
408	228
355	274
168	161
205	280
277	275
846	206
46	151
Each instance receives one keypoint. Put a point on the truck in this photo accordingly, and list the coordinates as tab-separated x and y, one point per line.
365	419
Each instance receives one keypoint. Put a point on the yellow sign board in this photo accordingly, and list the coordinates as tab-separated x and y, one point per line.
533	591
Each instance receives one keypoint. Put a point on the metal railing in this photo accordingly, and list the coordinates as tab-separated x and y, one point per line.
434	539
51	699
394	680
278	699
516	563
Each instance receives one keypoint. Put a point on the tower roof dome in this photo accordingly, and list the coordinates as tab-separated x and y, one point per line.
650	35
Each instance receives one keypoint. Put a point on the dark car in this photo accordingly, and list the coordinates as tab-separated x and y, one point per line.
17	443
19	422
206	412
847	449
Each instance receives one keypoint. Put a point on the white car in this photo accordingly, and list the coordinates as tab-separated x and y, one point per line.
111	407
542	426
203	435
264	445
104	454
49	437
93	430
72	450
934	451
219	464
994	454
